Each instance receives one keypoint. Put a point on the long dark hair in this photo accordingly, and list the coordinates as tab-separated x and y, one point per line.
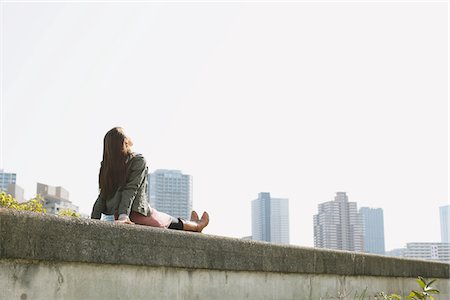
113	169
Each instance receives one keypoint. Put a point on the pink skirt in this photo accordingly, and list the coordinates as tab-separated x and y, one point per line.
155	219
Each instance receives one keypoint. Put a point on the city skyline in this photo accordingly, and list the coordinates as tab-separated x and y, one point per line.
338	225
6	178
444	217
323	98
373	223
429	251
270	219
369	215
16	191
55	198
171	192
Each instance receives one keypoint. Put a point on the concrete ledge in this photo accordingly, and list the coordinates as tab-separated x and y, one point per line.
32	236
59	280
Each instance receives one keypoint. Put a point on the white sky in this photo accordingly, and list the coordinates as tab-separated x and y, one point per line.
298	99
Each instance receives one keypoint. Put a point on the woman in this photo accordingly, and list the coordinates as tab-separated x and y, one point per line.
123	188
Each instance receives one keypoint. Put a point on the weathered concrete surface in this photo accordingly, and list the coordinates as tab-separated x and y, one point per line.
49	257
46	237
56	280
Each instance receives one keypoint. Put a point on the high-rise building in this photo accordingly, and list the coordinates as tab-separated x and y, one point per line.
428	251
338	225
270	219
373	224
444	212
421	250
55	198
16	191
170	191
6	179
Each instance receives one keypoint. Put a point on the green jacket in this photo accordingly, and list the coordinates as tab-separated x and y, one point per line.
133	196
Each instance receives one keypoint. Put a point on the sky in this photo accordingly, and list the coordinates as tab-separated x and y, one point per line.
298	99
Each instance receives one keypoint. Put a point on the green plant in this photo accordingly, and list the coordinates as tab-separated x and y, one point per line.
388	297
426	292
68	213
7	201
36	204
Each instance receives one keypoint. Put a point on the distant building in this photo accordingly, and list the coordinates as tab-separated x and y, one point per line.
270	219
247	238
6	179
444	212
171	192
428	251
55	198
16	191
399	252
373	224
338	225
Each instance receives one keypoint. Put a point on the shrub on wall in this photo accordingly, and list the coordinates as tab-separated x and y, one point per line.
35	204
68	213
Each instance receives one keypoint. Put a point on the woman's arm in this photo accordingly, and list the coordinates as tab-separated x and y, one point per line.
138	171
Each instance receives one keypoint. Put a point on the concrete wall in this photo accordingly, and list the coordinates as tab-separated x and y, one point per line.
50	257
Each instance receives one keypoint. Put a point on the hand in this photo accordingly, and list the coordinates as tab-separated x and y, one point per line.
124	221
